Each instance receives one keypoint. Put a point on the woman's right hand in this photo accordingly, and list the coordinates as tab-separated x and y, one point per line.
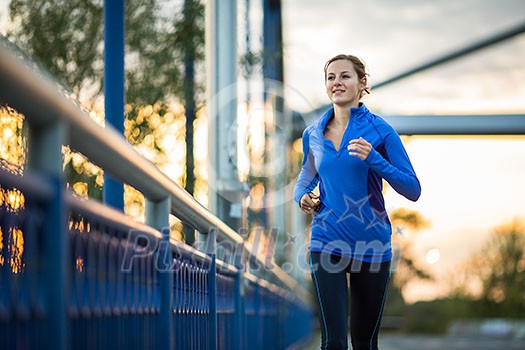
310	203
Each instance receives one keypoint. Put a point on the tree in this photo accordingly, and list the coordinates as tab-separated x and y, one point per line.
66	37
499	267
189	41
488	284
405	266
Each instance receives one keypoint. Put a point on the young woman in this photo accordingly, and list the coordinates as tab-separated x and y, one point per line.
347	152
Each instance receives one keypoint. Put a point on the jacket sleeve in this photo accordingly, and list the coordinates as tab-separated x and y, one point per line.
396	169
308	177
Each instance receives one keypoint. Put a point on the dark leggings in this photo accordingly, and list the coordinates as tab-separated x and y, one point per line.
368	286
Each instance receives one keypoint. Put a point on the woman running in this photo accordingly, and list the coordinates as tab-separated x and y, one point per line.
347	152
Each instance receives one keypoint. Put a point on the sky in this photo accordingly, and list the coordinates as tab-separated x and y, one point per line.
4	12
394	35
469	184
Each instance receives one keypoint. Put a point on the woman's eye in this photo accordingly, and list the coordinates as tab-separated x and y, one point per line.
330	78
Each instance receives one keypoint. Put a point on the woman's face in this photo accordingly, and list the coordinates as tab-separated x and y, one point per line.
342	84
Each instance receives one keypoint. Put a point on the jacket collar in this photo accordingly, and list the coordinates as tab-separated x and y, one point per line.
358	113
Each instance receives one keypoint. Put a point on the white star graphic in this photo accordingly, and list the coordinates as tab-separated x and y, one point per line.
320	219
291	239
379	219
353	208
399	231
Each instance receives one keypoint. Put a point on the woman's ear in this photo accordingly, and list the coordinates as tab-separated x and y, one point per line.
364	86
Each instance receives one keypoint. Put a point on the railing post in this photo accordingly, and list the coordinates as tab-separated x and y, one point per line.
258	326
211	249
45	156
238	334
157	216
114	97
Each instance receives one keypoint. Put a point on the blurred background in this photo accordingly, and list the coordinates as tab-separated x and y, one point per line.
460	248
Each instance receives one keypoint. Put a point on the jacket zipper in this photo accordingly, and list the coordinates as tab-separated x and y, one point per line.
348	128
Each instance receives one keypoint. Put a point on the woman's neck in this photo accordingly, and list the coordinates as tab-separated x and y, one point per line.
342	113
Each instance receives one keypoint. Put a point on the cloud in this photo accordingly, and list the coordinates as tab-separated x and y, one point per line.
395	35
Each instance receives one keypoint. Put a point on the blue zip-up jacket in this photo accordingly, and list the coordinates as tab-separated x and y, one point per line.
352	220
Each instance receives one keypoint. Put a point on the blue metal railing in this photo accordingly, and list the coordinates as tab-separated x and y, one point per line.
78	274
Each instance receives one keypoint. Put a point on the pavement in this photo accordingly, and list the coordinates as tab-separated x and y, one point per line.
394	341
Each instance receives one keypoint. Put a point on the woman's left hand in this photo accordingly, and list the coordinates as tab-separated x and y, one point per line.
359	148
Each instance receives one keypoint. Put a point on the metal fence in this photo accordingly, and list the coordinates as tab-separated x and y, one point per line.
77	274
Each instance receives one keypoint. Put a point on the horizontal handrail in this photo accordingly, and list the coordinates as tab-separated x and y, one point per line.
107	215
115	218
27	183
107	148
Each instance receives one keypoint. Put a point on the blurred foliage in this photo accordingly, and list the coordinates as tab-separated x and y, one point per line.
491	284
499	270
250	62
13	148
505	253
188	35
189	41
62	35
83	177
406	224
66	37
408	218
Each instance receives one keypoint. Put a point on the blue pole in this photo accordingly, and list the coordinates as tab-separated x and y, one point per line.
113	191
164	331
257	330
272	40
54	250
157	216
239	322
238	334
211	250
53	274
